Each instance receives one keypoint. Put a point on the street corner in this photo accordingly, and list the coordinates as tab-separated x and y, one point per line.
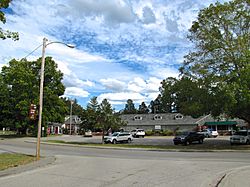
236	177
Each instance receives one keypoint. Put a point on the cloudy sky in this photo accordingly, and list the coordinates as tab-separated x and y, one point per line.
124	48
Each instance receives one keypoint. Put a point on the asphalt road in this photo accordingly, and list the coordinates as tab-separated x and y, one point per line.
79	166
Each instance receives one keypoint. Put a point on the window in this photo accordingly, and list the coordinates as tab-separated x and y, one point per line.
157	117
178	116
138	118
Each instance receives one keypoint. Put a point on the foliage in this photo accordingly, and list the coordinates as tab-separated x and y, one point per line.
20	88
76	108
89	116
107	119
130	107
101	117
156	105
186	96
221	57
143	109
4	34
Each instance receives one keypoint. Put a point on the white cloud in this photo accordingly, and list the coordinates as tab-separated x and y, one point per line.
74	55
63	67
148	15
122	46
113	84
112	11
77	92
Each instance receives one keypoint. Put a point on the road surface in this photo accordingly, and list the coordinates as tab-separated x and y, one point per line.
79	166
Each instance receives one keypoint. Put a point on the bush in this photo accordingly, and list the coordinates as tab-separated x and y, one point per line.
168	133
149	133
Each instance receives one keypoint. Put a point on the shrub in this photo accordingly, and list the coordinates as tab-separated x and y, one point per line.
149	133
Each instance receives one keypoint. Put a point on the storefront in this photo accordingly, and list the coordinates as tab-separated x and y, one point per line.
223	127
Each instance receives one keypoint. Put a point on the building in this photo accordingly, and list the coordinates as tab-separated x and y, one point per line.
177	121
54	128
162	121
72	124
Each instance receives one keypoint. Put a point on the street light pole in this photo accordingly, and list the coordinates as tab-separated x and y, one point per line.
70	117
45	44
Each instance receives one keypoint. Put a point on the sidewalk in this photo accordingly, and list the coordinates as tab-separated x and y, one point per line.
237	177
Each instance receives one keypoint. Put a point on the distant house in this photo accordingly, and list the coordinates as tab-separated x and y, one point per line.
72	124
54	128
173	121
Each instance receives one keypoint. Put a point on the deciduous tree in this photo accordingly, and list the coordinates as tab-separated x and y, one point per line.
4	34
221	56
20	83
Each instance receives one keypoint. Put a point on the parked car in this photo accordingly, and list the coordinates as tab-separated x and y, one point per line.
137	133
119	137
215	133
88	133
206	132
240	137
186	138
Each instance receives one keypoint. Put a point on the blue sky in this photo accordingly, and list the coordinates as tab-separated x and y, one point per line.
124	48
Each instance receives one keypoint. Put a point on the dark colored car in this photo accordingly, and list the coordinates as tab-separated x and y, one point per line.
186	138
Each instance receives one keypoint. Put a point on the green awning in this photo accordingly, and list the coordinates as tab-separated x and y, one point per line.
221	123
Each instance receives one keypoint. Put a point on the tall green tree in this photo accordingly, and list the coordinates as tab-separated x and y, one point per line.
129	107
107	118
89	118
143	109
4	34
20	81
186	96
168	95
221	56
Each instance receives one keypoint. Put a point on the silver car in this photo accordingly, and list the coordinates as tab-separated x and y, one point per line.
118	137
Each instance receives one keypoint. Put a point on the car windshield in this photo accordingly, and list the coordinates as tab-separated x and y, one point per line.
241	133
182	133
115	134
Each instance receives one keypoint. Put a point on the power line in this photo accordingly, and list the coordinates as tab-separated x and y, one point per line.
32	51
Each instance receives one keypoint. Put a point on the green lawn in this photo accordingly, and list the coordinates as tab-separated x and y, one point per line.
196	147
8	160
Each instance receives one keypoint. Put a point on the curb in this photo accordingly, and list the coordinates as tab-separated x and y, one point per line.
27	167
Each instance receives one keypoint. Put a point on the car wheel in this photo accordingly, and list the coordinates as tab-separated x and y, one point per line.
201	141
247	142
129	140
175	143
114	141
186	143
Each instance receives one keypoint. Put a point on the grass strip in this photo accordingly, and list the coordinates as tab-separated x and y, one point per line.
8	160
198	147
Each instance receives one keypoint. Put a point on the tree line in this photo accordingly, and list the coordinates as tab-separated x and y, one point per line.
19	89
